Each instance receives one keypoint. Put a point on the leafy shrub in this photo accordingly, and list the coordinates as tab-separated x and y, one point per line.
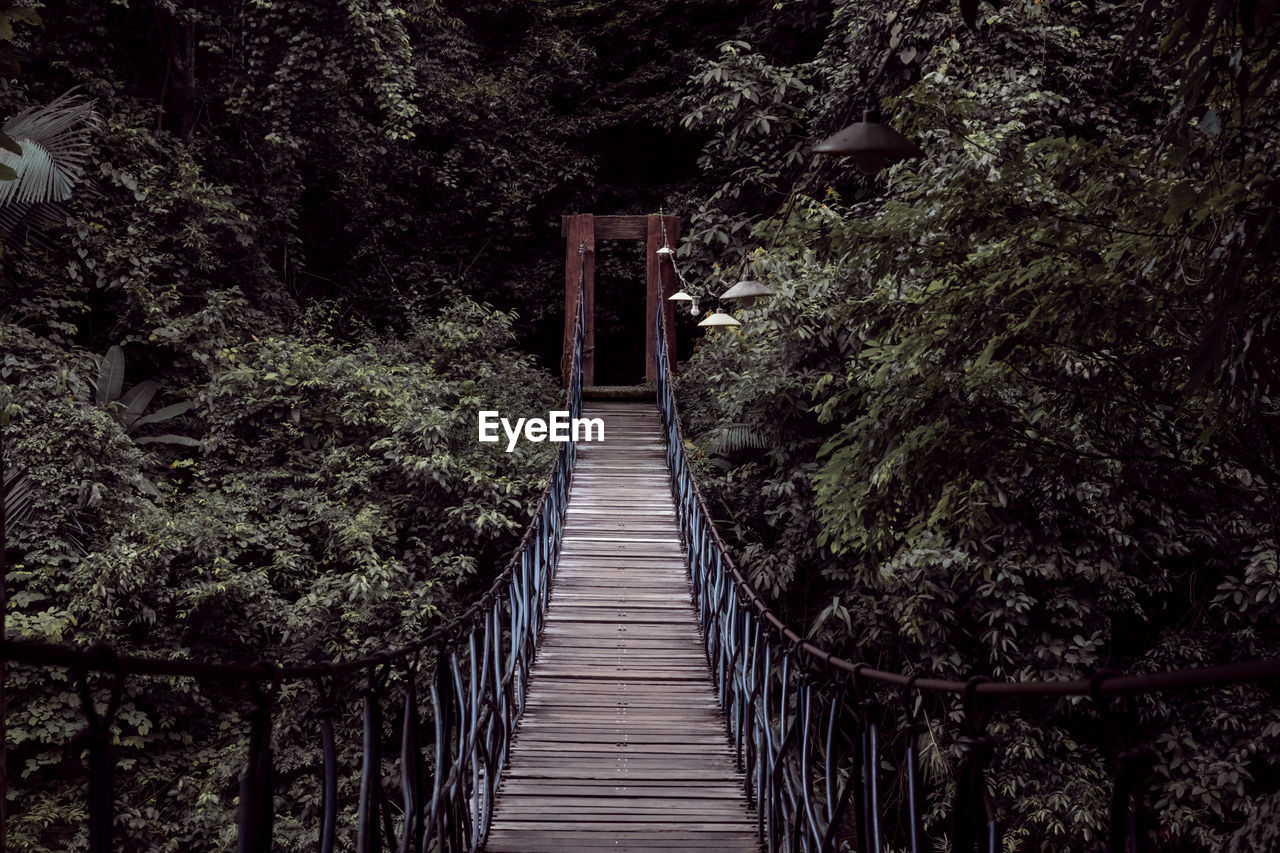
336	503
1012	430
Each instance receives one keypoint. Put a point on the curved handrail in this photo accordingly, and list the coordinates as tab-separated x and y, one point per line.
759	662
102	660
481	669
1112	683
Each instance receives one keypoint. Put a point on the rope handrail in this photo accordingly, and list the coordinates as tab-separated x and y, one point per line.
101	660
478	689
1112	683
769	677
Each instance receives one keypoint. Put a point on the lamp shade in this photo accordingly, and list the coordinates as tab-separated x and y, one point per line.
748	290
665	251
679	296
719	318
870	143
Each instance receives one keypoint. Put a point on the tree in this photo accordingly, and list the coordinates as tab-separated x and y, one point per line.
1018	418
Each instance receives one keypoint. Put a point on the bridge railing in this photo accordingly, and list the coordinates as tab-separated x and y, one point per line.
475	670
809	735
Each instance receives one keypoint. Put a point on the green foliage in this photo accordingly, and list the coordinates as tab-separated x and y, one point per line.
9	64
44	151
1262	832
731	438
1028	380
17	496
335	503
47	151
283	219
1012	411
128	406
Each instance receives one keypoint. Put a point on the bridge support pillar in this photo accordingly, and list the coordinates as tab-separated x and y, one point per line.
579	266
581	231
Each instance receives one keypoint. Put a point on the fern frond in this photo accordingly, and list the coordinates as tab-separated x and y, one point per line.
731	438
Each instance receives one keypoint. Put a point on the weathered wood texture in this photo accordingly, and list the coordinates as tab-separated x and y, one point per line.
621	746
620	392
580	266
581	232
660	280
612	227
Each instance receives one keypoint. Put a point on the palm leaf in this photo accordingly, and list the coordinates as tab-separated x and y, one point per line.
19	505
54	141
28	225
19	493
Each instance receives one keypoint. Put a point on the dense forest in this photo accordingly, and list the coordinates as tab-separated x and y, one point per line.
1014	409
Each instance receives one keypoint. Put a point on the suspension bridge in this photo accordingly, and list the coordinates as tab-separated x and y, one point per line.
621	745
620	686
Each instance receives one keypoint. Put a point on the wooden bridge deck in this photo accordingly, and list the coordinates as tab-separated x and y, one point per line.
622	746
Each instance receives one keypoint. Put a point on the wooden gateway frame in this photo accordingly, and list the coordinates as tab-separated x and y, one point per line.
581	231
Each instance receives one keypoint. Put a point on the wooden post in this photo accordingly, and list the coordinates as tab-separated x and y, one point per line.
581	231
580	234
4	627
669	287
660	279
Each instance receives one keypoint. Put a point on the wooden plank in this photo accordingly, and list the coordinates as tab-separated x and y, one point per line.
622	745
584	657
609	843
612	227
623	805
666	790
535	843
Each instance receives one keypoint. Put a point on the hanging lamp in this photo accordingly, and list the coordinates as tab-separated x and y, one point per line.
681	296
871	144
748	291
719	318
